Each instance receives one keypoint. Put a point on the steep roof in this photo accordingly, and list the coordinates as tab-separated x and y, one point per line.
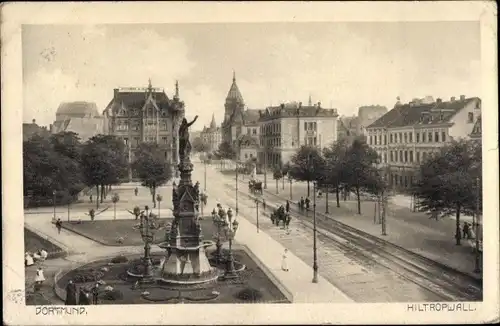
213	125
421	113
234	93
297	110
251	116
79	108
136	100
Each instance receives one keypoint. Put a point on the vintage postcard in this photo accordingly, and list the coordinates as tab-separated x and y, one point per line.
249	163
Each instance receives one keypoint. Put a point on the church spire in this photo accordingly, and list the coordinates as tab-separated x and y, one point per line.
234	76
176	89
213	125
310	100
150	86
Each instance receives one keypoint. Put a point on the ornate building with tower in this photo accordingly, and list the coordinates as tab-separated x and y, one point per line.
239	122
212	135
145	114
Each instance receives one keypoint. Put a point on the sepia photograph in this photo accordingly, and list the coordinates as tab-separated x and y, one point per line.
251	166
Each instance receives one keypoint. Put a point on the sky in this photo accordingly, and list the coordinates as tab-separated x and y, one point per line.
341	65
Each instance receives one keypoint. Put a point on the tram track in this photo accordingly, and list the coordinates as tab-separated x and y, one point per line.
443	281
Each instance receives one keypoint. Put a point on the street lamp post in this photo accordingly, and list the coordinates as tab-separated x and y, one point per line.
147	234
290	180
315	257
477	268
205	174
54	202
236	209
230	228
257	212
326	200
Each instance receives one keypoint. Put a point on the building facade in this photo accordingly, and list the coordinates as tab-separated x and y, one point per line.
405	136
32	129
81	117
137	115
367	115
239	121
285	128
212	135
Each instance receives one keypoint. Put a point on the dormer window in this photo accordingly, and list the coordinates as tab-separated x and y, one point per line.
470	117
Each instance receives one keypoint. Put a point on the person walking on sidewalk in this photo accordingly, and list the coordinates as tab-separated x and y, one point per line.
95	293
307	203
466	230
58	225
39	278
90	198
264	204
301	204
287	206
284	263
136	191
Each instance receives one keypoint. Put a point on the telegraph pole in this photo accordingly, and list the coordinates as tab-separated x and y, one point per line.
315	256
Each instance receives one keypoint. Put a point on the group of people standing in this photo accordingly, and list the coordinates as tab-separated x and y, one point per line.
304	203
85	296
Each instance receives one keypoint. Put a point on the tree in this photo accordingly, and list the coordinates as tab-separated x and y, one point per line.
305	165
448	181
277	175
225	151
334	172
52	165
115	199
200	146
359	167
151	167
104	162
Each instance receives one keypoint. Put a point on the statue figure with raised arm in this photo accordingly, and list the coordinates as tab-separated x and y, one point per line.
184	144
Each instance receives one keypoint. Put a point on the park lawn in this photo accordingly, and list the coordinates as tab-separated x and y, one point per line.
33	242
107	232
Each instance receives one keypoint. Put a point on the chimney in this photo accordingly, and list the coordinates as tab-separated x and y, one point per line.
33	121
300	104
452	99
438	100
282	105
462	97
319	104
115	92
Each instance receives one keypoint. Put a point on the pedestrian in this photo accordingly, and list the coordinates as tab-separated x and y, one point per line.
284	263
39	277
287	207
307	203
466	230
301	203
136	191
70	294
44	254
95	293
58	225
90	198
28	259
83	297
264	204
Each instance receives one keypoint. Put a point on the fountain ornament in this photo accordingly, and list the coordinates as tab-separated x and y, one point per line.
186	261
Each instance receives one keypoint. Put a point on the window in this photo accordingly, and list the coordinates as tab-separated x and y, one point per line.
375	140
251	155
305	126
411	137
417	135
401	180
385	157
423	137
370	140
411	156
246	155
248	131
390	138
392	156
395	179
401	156
380	139
395	156
443	136
125	140
470	117
429	138
164	140
254	131
315	126
406	137
315	141
385	139
418	157
436	137
400	137
406	156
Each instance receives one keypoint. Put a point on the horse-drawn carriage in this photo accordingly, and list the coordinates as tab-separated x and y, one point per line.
280	215
255	187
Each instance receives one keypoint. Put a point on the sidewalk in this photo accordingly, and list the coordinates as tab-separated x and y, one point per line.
413	231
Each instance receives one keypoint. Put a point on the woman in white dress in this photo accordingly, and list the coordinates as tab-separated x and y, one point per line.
284	264
28	260
39	278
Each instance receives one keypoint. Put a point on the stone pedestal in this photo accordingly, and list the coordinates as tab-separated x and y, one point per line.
186	260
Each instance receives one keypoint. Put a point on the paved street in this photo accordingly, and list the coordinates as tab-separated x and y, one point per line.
360	280
413	231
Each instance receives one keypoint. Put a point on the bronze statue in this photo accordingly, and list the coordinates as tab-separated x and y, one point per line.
184	144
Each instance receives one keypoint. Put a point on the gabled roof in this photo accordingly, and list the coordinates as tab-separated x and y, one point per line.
136	100
421	113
